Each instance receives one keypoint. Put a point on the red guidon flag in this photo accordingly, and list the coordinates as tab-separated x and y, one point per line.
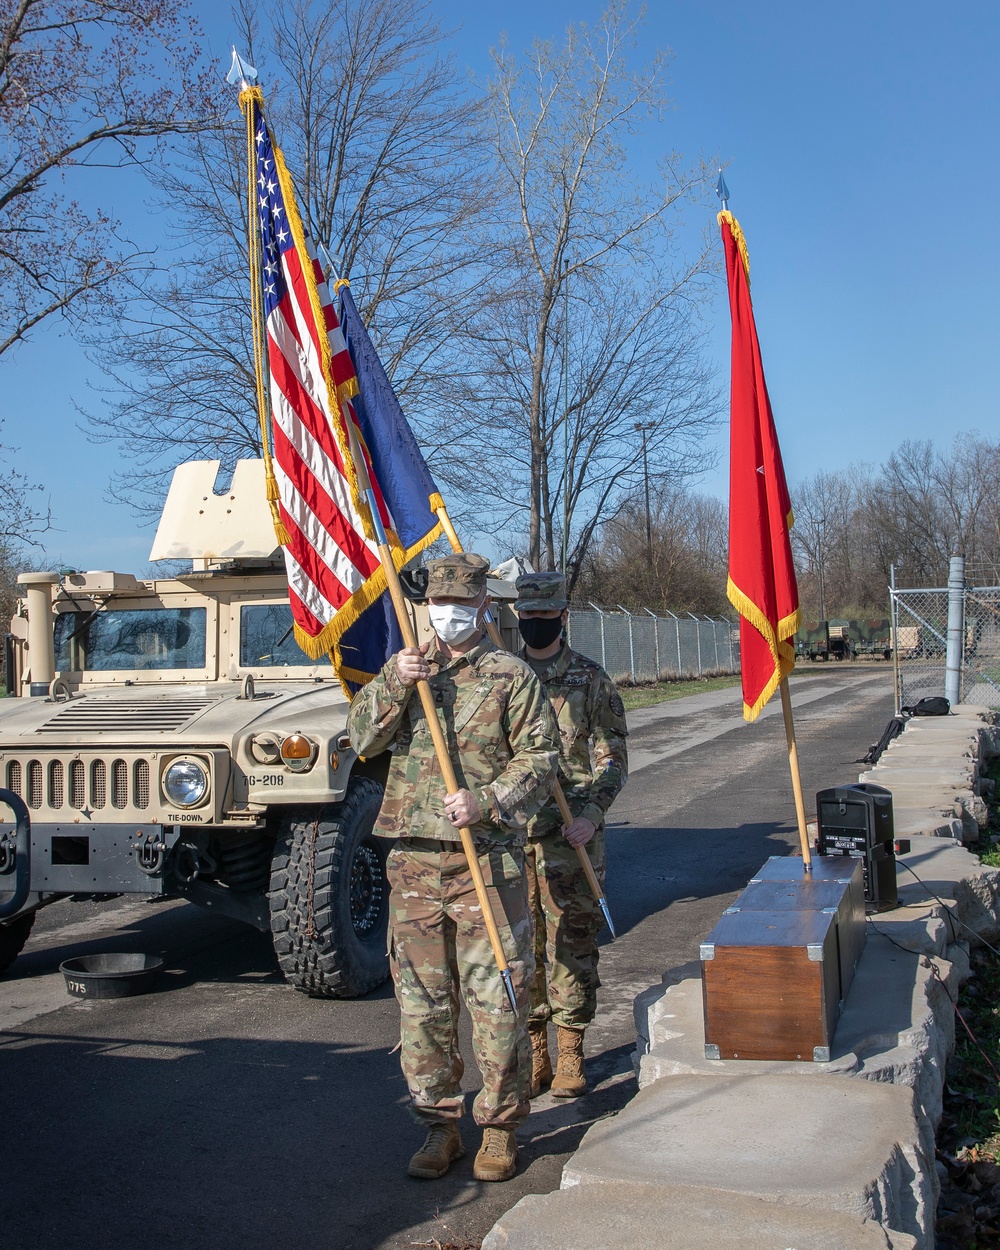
762	585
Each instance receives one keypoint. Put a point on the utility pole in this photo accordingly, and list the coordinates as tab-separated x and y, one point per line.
565	362
644	428
822	597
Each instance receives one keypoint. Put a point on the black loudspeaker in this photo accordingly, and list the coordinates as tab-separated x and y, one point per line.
857	821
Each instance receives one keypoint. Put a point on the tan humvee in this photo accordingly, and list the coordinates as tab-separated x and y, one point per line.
170	737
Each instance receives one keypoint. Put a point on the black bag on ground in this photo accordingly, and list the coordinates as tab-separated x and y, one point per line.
892	730
935	705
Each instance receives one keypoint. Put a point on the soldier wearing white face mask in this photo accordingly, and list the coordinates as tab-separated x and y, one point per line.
503	741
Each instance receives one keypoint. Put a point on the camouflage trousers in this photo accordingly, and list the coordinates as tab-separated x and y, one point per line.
567	922
440	954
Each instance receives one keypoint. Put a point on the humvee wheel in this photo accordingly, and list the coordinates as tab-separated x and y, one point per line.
13	935
329	897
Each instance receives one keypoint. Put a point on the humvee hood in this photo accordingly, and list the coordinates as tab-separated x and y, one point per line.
210	712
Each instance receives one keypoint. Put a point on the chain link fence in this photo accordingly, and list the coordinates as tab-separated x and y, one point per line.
645	647
920	641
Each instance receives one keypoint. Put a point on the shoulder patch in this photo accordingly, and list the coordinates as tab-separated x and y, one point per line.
615	703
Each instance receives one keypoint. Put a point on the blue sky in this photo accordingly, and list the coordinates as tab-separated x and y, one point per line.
860	142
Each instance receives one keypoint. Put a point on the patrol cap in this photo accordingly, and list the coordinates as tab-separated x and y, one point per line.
540	592
461	575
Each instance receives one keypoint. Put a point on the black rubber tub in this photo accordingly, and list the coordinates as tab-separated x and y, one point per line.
111	976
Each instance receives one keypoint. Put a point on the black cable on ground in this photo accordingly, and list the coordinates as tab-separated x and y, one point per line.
957	919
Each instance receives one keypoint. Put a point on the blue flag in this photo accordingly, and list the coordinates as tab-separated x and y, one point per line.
407	487
400	468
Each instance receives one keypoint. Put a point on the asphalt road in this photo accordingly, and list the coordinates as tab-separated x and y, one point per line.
227	1111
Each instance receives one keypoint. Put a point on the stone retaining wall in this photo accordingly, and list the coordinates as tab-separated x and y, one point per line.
768	1156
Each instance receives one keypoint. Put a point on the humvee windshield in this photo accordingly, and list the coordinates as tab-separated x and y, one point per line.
267	637
130	638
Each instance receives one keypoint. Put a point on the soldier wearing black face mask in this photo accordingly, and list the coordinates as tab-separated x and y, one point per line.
593	767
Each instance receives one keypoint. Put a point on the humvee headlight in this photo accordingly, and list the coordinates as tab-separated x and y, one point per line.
185	783
298	753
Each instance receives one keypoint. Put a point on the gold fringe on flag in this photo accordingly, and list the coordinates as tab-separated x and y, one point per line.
741	242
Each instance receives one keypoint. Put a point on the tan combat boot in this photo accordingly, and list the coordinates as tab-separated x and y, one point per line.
497	1158
571	1077
442	1147
541	1064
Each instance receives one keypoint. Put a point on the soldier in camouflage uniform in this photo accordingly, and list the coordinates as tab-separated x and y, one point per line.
504	743
593	767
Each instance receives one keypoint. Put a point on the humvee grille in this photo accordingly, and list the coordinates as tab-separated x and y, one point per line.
56	773
140	798
34	796
107	780
112	716
77	789
98	783
119	784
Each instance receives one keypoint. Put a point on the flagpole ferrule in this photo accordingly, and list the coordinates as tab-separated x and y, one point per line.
603	903
508	985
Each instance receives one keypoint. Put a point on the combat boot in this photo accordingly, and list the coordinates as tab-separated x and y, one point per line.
442	1147
571	1076
497	1158
541	1064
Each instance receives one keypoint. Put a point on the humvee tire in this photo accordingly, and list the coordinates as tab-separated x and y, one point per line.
335	945
13	935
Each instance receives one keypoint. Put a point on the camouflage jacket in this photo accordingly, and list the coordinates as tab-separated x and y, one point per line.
593	758
500	730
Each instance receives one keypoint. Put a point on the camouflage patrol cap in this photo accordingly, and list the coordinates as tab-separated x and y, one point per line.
540	592
458	576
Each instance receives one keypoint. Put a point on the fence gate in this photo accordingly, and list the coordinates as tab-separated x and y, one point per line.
920	644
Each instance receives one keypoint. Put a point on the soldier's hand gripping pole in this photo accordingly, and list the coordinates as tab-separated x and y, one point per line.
430	712
557	791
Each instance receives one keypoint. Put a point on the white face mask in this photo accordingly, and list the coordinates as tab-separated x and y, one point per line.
453	622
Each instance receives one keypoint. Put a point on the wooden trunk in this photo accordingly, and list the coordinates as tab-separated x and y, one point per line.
824	868
771	982
844	896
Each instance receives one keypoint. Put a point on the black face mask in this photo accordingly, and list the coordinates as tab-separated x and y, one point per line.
540	632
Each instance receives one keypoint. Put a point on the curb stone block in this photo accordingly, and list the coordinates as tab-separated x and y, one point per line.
826	1144
673	1217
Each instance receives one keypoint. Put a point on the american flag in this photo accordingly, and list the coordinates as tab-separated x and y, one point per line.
331	557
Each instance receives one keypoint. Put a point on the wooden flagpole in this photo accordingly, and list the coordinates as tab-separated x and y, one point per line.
557	791
793	764
430	712
246	76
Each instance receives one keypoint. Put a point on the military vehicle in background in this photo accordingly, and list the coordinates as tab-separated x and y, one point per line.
873	638
841	640
847	640
812	641
169	737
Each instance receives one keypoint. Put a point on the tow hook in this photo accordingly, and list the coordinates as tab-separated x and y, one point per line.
16	855
150	856
199	860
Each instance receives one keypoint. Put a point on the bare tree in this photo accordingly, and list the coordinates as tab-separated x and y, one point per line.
911	513
84	84
380	137
682	569
23	516
593	332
